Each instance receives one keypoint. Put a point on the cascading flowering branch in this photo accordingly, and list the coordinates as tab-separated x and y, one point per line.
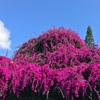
58	58
73	82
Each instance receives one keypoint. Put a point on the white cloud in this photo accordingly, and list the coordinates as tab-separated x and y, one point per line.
5	41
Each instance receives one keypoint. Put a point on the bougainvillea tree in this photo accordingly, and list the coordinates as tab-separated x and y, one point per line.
59	48
55	66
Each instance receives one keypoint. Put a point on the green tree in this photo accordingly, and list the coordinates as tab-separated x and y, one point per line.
89	37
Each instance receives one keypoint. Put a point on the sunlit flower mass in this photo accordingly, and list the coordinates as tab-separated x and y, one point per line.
58	58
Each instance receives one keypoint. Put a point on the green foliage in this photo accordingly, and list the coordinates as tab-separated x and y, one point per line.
89	37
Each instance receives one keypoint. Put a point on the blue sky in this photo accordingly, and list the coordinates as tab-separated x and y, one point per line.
24	17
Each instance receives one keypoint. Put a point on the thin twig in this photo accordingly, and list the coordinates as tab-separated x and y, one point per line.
61	92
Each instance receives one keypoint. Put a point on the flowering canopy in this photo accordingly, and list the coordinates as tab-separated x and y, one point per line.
59	48
59	59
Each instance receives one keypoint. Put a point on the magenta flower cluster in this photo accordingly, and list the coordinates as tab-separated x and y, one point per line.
58	58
